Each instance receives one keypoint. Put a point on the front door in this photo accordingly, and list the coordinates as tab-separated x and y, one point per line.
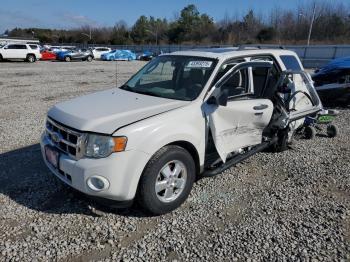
241	122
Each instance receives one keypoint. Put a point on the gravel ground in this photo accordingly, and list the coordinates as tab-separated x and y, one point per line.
293	205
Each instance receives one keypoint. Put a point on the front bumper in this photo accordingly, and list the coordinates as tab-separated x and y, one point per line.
122	170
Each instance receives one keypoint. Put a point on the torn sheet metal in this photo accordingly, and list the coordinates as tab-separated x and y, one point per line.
237	125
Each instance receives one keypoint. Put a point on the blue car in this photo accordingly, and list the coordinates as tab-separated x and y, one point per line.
119	55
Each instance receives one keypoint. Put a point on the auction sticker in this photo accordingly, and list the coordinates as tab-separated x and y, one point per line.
199	64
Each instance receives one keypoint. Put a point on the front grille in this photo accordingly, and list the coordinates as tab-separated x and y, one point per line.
65	139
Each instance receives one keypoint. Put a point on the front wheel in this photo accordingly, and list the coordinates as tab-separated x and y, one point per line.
167	180
89	58
67	59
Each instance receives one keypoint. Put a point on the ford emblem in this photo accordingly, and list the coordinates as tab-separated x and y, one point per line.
56	137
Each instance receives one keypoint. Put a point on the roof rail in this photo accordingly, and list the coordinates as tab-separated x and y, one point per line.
247	47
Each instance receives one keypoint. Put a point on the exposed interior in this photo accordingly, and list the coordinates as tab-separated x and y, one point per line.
290	93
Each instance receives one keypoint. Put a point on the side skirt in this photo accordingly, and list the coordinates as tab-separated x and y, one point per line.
239	158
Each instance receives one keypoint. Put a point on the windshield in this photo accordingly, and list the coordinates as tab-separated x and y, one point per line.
173	77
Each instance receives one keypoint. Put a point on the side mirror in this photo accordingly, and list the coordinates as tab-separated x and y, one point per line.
219	99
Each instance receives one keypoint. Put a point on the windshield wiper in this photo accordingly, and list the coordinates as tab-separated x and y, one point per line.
142	92
145	92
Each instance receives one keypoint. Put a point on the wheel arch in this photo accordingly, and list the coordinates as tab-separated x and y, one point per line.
190	148
31	54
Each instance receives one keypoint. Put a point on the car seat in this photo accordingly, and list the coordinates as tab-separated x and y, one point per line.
234	85
194	83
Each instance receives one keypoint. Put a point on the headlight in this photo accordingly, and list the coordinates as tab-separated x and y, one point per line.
98	146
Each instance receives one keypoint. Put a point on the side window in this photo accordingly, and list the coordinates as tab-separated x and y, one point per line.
290	62
226	67
11	47
237	84
33	47
21	47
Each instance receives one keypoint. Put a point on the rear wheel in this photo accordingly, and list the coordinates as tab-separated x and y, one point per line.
282	141
31	58
89	58
167	180
1	59
332	131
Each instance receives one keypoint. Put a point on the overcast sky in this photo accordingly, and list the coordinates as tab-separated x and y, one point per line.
70	14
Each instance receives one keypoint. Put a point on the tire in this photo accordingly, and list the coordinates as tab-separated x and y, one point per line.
332	131
67	59
282	142
1	59
309	132
31	58
89	58
172	190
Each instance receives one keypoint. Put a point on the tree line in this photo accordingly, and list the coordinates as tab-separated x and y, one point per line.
280	26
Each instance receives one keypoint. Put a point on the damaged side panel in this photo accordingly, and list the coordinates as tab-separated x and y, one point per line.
239	124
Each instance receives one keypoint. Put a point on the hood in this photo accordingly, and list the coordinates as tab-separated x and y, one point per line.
106	111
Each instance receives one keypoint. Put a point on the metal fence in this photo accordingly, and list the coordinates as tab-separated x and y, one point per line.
318	55
312	56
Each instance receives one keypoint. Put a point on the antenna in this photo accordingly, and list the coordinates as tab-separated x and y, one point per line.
116	73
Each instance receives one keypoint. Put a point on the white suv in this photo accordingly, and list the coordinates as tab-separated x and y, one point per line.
98	51
27	52
183	115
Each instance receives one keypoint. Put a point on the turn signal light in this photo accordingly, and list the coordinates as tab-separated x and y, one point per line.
119	143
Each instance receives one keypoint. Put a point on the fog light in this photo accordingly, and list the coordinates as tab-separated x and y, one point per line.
97	183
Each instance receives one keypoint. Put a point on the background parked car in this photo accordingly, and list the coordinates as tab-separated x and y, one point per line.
98	51
57	49
76	54
26	52
145	55
119	55
47	55
332	81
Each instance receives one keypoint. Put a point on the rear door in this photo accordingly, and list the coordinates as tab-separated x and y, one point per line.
15	51
301	99
241	122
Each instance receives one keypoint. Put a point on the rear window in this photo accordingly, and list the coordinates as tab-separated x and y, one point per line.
290	62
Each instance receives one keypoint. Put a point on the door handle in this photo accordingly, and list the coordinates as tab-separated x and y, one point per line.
259	113
260	107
